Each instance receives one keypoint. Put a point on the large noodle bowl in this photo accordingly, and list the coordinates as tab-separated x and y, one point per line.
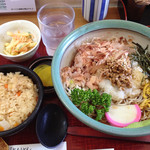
105	65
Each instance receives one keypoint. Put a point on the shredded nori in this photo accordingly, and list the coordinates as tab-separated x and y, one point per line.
142	56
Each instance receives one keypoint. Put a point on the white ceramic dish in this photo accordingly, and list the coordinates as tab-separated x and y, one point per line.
14	26
66	51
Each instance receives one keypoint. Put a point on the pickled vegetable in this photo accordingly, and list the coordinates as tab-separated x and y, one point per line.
44	72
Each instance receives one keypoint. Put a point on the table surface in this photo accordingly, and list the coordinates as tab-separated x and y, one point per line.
28	135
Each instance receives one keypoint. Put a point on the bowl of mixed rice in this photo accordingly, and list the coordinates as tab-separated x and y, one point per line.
21	94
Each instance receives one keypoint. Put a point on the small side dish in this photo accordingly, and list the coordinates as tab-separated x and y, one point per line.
44	72
20	43
42	67
19	40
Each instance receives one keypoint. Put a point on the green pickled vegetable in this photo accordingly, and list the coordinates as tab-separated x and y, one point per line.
139	124
44	72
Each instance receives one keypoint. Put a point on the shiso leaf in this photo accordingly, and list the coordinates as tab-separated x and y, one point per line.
139	124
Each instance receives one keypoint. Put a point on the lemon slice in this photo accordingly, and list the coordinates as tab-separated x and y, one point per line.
44	72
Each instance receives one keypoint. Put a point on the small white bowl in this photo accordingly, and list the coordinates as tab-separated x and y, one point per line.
22	26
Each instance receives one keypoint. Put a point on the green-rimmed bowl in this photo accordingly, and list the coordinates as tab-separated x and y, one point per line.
67	49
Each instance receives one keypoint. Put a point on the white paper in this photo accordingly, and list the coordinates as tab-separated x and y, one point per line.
17	6
38	146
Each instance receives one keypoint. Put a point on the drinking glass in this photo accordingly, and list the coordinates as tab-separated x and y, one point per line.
56	20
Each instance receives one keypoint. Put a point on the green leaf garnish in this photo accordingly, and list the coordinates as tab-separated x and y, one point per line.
91	102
